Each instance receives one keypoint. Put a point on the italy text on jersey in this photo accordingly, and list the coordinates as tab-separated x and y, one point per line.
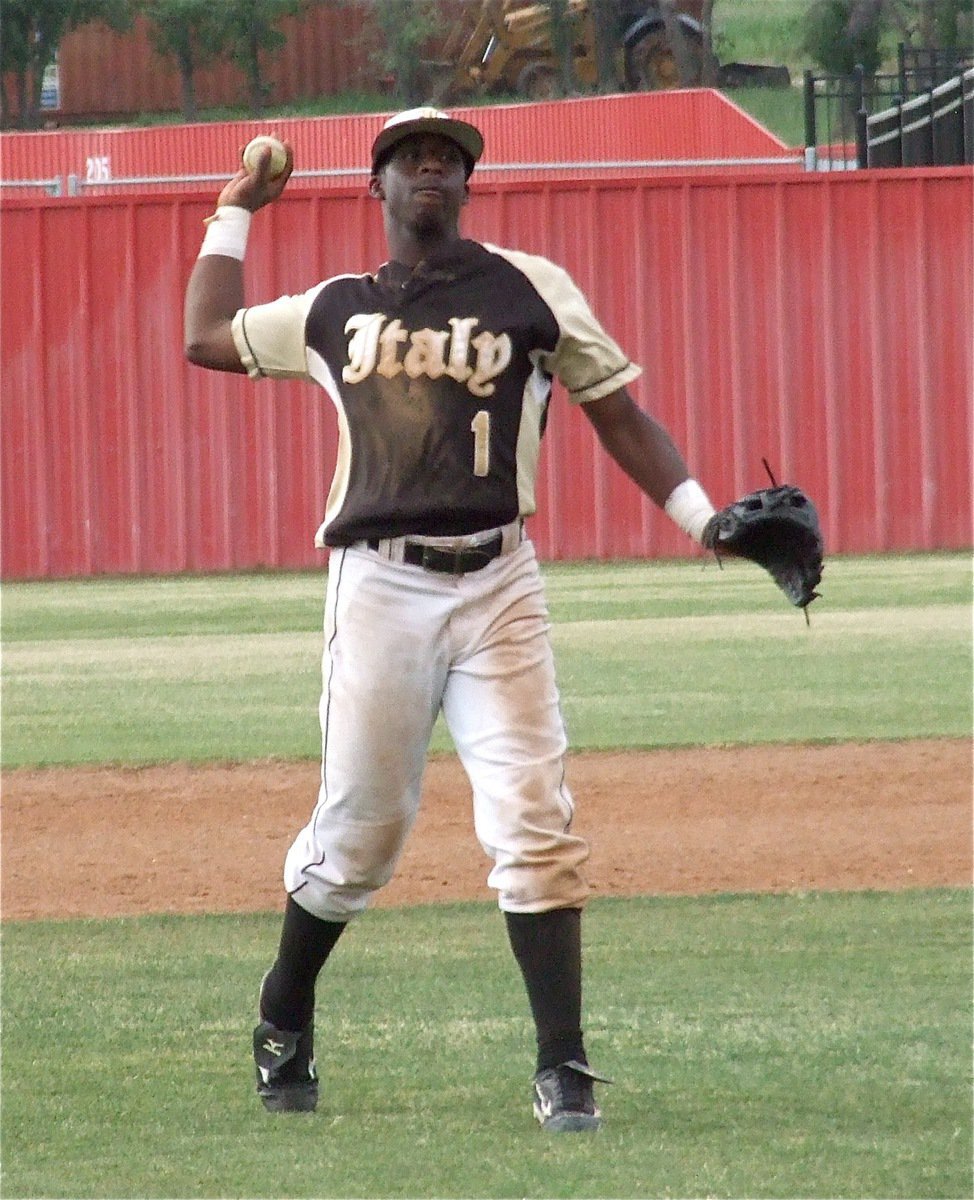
383	345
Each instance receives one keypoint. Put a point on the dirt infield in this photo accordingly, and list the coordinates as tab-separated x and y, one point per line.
103	842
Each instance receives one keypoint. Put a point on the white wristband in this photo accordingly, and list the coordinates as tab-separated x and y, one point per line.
226	232
689	507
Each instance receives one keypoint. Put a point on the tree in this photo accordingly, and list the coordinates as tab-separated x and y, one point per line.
605	25
839	32
563	44
677	41
405	27
192	34
32	30
843	34
249	32
939	24
708	75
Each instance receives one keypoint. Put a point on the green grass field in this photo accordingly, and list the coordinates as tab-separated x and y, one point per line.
762	1046
659	654
779	1046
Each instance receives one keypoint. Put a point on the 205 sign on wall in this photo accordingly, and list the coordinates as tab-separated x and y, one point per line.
98	168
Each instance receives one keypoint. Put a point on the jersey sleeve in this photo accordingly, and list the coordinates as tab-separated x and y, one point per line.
270	338
586	360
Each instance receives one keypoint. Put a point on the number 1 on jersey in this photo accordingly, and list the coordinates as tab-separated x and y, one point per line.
480	426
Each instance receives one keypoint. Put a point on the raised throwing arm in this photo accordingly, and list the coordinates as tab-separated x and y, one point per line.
215	291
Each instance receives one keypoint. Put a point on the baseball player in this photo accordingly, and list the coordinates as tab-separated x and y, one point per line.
440	367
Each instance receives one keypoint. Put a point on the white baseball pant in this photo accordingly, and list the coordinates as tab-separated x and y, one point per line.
401	643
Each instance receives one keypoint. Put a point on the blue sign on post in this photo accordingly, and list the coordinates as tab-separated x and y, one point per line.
51	87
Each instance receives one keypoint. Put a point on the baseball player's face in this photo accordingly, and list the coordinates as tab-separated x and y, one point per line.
423	184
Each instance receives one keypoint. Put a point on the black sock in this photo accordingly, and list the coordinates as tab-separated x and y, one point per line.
548	949
287	997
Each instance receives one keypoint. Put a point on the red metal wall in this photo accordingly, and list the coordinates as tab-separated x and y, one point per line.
676	126
822	321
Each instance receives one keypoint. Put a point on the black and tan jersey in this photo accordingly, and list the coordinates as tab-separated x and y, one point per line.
441	377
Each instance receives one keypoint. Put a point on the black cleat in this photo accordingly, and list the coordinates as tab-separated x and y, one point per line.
564	1101
286	1076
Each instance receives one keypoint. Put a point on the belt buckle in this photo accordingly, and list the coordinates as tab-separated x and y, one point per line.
434	559
458	560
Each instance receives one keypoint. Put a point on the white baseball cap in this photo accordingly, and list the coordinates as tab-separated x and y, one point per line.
428	120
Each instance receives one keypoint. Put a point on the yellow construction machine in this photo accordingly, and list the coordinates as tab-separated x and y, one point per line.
507	47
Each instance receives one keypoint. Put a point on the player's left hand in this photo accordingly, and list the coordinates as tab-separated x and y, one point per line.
778	528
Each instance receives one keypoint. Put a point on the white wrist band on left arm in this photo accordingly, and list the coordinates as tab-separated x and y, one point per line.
689	507
226	232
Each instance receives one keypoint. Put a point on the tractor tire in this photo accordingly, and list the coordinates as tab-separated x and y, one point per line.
538	81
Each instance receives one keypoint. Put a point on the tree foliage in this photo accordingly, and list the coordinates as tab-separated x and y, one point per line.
843	34
935	24
404	27
189	32
251	35
32	30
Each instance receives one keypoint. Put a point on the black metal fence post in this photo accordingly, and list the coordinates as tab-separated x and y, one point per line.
858	75
862	139
859	114
811	141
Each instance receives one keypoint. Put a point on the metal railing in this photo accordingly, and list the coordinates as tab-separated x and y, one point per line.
933	129
76	185
53	187
921	69
838	107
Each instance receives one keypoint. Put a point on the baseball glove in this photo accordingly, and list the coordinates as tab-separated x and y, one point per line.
777	528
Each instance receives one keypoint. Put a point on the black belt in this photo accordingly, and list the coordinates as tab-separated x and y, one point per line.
449	562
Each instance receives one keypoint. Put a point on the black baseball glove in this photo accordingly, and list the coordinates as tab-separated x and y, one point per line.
778	528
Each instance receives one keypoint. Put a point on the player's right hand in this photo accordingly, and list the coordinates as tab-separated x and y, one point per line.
254	189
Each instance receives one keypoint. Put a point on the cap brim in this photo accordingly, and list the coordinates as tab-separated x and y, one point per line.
467	137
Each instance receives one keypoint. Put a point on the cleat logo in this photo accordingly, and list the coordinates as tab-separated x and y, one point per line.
272	1047
545	1104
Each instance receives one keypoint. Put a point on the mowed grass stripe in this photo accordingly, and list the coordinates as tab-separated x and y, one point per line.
181	655
292	601
854	674
158	659
947	621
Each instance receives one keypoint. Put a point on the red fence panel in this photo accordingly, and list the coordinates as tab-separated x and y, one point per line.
822	321
699	125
